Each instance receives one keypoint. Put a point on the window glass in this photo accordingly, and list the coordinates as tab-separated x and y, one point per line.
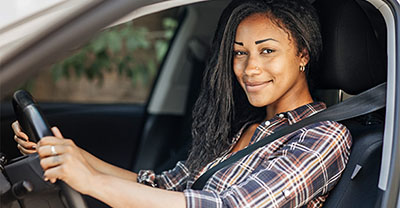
118	66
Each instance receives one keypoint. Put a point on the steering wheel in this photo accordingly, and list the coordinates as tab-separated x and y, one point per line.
27	169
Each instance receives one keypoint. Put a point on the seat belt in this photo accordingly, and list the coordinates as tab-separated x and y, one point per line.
361	104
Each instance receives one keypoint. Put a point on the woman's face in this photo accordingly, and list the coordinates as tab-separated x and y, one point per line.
266	63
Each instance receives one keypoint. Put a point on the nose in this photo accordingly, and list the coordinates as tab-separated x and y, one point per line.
253	67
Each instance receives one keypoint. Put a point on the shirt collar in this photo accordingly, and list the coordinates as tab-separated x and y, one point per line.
292	116
304	111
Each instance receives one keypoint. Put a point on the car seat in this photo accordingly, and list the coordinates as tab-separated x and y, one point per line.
354	60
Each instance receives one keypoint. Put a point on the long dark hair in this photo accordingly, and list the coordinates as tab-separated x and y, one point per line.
222	107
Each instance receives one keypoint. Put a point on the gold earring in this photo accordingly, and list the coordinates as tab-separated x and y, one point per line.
302	68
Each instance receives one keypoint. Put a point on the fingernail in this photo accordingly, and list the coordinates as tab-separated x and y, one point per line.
46	179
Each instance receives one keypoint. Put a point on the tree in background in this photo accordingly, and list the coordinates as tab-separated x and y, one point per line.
127	49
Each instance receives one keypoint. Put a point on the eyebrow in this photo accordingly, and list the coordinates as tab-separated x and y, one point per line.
261	41
257	42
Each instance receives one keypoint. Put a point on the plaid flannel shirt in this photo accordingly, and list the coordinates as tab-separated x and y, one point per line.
295	170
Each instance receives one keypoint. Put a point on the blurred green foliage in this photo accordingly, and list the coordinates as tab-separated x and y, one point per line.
133	51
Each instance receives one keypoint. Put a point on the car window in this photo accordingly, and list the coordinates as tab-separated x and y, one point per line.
117	66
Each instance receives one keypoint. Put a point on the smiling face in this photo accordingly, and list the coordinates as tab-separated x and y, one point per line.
267	65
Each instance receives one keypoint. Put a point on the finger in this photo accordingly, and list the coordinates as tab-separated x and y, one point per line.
57	132
15	126
51	162
50	140
52	174
17	130
50	150
25	151
25	144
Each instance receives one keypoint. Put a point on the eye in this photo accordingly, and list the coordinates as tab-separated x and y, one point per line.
266	50
239	53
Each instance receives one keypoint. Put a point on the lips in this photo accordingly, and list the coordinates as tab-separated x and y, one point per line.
256	85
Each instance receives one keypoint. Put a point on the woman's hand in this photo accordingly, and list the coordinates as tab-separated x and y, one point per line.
61	159
24	145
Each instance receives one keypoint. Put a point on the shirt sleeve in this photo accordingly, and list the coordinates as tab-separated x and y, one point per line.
174	180
306	167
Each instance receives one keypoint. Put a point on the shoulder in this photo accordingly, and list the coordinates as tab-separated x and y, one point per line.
325	134
318	136
328	129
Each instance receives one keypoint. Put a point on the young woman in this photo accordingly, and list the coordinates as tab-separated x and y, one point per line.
255	84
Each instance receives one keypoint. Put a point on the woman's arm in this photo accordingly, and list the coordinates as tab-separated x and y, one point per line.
107	168
61	159
118	192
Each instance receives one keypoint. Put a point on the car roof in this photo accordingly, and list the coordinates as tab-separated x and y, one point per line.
21	19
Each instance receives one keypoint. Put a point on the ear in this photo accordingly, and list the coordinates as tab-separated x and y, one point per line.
304	57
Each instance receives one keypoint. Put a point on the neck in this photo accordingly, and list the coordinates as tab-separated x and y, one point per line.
289	102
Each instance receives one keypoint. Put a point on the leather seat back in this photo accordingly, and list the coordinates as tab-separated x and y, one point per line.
354	60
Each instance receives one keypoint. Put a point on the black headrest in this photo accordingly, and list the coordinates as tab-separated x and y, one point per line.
354	46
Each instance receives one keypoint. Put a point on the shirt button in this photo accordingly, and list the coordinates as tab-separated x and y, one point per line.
267	123
286	193
281	115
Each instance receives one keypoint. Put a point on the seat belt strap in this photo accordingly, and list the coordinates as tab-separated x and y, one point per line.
361	104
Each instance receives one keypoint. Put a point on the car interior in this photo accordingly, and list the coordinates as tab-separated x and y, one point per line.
157	135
